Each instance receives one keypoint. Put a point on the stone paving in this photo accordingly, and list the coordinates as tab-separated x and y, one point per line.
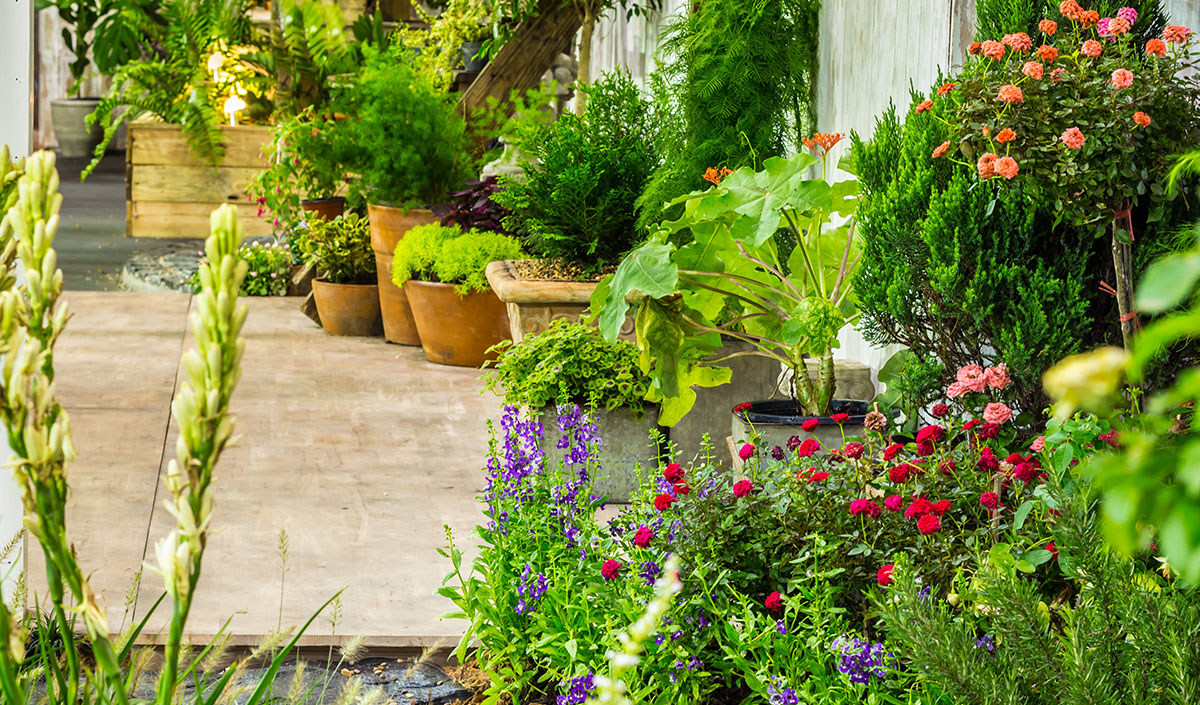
360	450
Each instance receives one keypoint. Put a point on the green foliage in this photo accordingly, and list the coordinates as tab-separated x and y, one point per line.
308	48
996	18
463	260
569	363
575	201
268	270
731	279
300	166
962	272
108	32
401	135
418	250
738	85
340	249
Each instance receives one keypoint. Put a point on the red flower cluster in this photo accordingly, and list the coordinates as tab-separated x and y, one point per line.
923	106
742	488
865	506
673	473
643	537
774	602
610	569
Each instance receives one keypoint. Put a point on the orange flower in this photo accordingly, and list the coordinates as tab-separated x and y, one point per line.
946	88
1020	42
820	143
986	165
923	106
1006	167
1141	118
1069	9
716	176
1011	94
1056	74
1087	18
1091	48
1048	27
1118	26
941	148
1047	53
1033	70
975	49
993	50
1005	136
1176	34
1156	47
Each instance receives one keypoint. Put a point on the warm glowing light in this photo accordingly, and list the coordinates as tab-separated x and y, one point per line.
232	105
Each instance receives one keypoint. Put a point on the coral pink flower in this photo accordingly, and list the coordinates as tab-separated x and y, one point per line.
997	377
997	413
1047	53
1122	79
1006	167
1175	34
955	390
986	166
1156	47
643	537
1069	9
1118	26
928	524
941	149
883	576
1073	138
1056	74
993	50
1048	27
923	106
1033	70
972	377
975	49
1091	48
1141	118
1087	18
1010	94
1020	42
946	88
991	500
1038	444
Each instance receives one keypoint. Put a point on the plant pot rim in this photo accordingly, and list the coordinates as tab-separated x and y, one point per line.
78	99
761	416
383	205
444	285
326	282
329	199
513	288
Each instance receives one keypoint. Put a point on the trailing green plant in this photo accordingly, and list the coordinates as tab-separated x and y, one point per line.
109	33
583	174
177	84
300	166
401	135
739	81
734	278
339	249
568	363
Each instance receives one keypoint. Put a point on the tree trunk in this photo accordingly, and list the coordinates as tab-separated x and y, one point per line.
1123	265
585	60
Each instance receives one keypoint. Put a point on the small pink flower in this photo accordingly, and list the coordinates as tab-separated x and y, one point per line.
1128	14
1038	444
1033	70
972	377
1010	94
1056	75
997	377
1006	167
1073	138
1091	48
1122	79
997	413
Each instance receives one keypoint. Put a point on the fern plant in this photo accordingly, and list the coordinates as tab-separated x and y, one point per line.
175	85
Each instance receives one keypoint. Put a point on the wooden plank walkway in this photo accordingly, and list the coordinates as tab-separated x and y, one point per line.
361	451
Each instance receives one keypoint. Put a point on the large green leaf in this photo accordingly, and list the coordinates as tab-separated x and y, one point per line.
1168	282
649	269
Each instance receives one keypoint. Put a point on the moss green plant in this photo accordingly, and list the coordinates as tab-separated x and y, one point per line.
340	249
440	253
417	250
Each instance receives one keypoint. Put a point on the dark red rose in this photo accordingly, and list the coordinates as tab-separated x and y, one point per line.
924	449
942	506
742	488
932	434
918	508
673	473
892	451
681	487
928	524
663	502
939	410
972	424
947	467
989	430
643	537
808	447
853	449
810	424
774	602
840	418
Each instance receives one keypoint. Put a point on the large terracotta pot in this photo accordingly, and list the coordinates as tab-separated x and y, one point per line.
325	208
456	330
348	309
388	225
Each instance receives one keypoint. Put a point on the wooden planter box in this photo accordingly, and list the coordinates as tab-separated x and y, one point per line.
170	193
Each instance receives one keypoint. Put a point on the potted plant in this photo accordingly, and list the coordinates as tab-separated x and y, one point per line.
107	33
571	364
457	314
346	295
735	278
301	175
461	28
574	204
406	143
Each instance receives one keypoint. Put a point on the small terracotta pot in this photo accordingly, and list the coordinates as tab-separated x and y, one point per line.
326	208
388	225
457	330
348	309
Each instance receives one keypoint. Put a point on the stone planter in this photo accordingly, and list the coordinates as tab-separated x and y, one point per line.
456	330
348	309
626	443
534	303
75	138
777	420
388	225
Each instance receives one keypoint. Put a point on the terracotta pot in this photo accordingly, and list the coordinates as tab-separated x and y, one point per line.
348	309
326	208
388	225
456	330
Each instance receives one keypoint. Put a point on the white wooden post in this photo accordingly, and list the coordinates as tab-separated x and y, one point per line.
16	130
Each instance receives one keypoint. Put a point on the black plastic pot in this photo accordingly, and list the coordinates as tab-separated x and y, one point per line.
774	421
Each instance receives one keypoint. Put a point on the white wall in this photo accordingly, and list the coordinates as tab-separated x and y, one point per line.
16	130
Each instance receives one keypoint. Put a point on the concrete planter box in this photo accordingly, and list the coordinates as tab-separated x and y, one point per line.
626	443
533	304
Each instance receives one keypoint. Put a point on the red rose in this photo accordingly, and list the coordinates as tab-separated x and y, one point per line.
810	424
991	500
774	602
663	501
840	418
742	488
818	476
987	461
928	524
610	569
924	449
864	506
942	506
947	467
989	430
900	473
892	451
853	449
808	448
883	576
1014	458
931	434
1052	549
681	487
939	410
643	537
893	503
744	406
971	424
673	473
746	451
918	508
1025	472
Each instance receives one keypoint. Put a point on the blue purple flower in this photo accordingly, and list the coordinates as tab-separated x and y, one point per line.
860	660
530	588
781	693
577	690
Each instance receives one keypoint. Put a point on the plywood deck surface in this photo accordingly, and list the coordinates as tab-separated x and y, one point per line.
361	451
